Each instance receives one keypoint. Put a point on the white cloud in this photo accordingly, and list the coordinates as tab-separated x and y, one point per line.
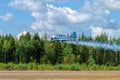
96	31
111	33
56	0
58	18
50	19
107	11
53	15
110	4
30	5
1	33
100	15
6	17
22	33
70	16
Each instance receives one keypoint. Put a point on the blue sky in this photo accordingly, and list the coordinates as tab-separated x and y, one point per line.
93	17
20	21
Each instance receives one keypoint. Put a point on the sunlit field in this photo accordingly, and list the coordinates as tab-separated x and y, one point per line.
59	75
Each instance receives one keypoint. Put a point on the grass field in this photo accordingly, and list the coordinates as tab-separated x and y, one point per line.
59	75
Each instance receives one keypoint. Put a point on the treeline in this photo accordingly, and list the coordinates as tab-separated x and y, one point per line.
33	49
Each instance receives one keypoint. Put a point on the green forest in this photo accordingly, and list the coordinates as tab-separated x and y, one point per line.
31	49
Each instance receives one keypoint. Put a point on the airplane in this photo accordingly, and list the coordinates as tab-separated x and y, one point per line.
62	38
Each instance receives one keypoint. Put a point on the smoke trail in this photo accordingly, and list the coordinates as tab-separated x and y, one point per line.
106	46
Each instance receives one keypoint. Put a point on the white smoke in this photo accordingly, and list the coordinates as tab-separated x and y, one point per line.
106	46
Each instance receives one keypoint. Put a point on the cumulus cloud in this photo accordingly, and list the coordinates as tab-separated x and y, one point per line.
101	20
111	33
22	33
30	5
110	4
100	15
50	19
6	17
96	31
56	0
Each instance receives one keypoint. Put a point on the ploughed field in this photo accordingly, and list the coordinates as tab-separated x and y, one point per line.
59	75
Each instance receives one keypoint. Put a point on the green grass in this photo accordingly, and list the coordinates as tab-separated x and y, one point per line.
69	67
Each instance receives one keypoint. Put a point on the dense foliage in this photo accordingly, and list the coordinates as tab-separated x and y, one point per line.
32	49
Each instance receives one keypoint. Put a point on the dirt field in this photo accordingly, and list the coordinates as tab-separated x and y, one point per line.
59	75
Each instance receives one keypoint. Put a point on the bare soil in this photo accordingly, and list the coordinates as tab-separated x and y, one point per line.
59	75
